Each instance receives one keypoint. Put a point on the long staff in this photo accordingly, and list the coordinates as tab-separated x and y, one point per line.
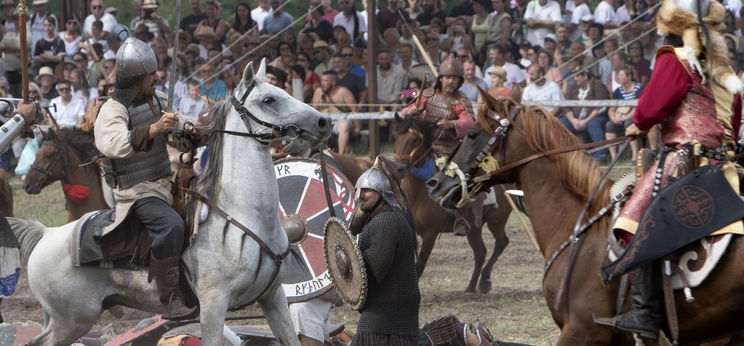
24	48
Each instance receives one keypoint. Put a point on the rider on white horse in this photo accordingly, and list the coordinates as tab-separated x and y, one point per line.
131	131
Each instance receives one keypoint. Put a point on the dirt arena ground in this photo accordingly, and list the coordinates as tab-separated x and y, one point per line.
514	310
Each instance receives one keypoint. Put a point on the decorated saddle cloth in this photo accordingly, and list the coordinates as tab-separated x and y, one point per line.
128	247
680	220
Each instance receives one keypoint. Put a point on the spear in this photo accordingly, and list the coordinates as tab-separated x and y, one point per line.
174	61
24	48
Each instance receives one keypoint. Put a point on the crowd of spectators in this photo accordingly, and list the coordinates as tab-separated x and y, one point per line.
528	50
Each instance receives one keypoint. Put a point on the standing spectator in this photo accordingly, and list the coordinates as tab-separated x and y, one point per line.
330	12
317	24
389	16
260	13
35	23
71	37
405	53
360	52
462	8
157	25
205	36
594	34
541	17
580	12
563	43
285	57
413	8
243	21
70	111
10	46
7	7
80	86
312	79
542	89
350	20
480	25
638	62
391	38
193	105
470	86
587	120
390	78
212	86
605	14
350	81
278	20
335	99
430	11
50	49
621	117
500	22
192	20
97	13
213	20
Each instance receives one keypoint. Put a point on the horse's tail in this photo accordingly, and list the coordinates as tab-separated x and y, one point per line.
28	233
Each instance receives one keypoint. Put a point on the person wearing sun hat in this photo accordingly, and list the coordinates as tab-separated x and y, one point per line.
46	79
321	56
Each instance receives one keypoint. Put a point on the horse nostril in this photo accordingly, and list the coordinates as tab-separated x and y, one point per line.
432	183
322	123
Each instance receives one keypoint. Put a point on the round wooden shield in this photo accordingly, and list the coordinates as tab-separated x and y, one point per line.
301	196
345	263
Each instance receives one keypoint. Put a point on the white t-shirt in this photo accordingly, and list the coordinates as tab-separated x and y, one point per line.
514	74
108	23
70	114
258	15
35	26
348	23
547	92
605	13
191	108
551	11
578	13
622	14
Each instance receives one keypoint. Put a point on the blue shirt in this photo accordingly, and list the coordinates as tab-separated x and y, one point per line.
217	92
358	71
272	24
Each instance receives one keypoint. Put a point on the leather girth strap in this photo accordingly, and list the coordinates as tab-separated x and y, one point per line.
278	258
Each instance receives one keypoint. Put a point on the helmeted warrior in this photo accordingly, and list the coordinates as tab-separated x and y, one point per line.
699	125
452	112
387	243
131	131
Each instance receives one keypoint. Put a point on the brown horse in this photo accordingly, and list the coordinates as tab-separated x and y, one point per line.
6	194
555	191
412	148
59	159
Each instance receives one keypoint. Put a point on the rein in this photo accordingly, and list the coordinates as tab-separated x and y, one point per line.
229	220
277	131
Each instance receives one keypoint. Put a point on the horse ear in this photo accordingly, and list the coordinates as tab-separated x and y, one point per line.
248	74
490	101
261	73
398	119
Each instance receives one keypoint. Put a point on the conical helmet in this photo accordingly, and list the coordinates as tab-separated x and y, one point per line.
134	61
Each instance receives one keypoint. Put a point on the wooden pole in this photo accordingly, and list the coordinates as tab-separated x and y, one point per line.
24	49
374	143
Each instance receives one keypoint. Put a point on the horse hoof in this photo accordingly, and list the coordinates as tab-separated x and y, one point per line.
470	290
484	287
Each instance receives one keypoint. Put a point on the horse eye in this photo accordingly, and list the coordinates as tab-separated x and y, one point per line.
269	100
472	134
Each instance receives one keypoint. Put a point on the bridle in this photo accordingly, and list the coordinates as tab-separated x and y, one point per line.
411	157
290	131
48	171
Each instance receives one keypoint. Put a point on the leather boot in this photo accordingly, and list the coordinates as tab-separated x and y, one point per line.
644	316
166	273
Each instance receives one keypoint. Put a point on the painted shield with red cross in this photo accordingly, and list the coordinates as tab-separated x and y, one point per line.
302	198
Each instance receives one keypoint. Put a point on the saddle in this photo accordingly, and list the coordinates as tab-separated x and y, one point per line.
128	247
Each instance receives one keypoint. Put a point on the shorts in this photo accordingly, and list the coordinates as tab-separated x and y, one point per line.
619	130
312	318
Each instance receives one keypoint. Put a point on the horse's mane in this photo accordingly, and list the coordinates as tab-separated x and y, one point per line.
83	142
413	122
543	132
210	177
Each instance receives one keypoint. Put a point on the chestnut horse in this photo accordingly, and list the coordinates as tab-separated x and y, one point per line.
412	148
59	159
555	191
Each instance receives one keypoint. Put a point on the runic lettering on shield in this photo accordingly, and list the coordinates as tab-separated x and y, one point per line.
692	206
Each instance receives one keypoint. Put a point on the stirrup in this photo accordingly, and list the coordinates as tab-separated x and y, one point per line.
612	322
459	224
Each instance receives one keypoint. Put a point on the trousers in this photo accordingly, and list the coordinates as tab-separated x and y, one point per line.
164	225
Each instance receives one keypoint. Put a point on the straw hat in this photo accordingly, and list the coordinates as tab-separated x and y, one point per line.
204	30
320	44
45	71
498	71
150	4
40	2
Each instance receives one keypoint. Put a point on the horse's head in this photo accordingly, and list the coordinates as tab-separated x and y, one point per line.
493	142
273	114
412	141
49	165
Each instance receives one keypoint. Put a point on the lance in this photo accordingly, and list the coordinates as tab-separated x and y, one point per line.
174	61
420	47
24	48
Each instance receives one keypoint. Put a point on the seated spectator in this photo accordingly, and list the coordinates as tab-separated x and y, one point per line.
563	43
212	86
541	17
71	37
499	22
605	14
636	60
50	49
193	105
542	89
430	11
622	117
243	21
579	13
355	69
389	16
321	57
354	24
278	20
586	120
333	98
412	90
545	59
617	61
70	111
471	83
204	34
317	24
497	55
497	89
390	78
46	80
312	80
405	54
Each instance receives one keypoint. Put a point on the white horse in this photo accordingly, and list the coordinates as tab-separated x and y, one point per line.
226	270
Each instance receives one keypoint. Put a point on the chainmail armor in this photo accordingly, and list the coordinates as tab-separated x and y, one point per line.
393	295
7	238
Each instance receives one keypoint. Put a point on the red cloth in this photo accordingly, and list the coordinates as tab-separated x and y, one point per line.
77	194
669	83
463	120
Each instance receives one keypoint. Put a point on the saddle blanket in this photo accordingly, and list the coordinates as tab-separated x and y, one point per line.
87	232
697	260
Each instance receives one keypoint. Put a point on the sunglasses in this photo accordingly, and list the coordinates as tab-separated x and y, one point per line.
96	7
78	60
301	60
348	55
64	89
461	56
69	68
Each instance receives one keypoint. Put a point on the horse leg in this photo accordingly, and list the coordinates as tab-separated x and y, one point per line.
65	328
496	219
274	306
475	239
427	244
212	316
